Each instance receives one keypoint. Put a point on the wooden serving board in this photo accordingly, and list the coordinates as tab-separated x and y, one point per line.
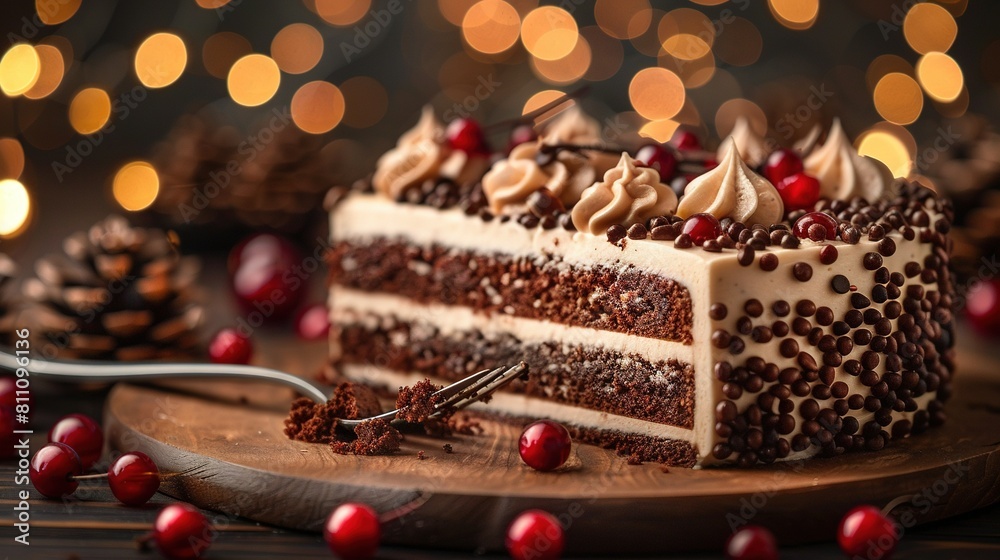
234	459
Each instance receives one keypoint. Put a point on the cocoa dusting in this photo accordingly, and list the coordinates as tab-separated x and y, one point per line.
417	403
316	423
374	437
448	448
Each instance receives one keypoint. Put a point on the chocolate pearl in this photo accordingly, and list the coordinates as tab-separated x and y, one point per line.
761	334
663	233
809	409
832	359
658	221
883	327
816	232
851	235
683	241
776	236
789	348
897	279
736	346
566	222
870	359
789	241
786	424
827	343
754	384
530	221
720	339
880	294
862	337
893	309
801	326
845	345
637	231
811	427
616	233
549	222
915	291
800	442
753	308
805	308
786	406
876	233
806	361
854	317
827	374
756	364
822	392
768	262
840	284
872	403
892	291
755	438
712	246
878	343
868	378
872	316
723	429
928	276
911	269
840	328
780	308
828	254
718	311
802	271
882	275
887	247
856	402
725	411
723	371
859	301
745	255
722	451
779	328
770	373
839	390
543	203
872	261
824	316
732	391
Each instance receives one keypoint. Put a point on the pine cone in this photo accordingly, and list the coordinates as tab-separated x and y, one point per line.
7	312
117	293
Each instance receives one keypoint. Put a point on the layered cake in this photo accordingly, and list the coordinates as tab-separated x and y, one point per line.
670	308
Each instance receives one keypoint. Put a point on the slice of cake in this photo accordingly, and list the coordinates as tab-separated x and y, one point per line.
738	322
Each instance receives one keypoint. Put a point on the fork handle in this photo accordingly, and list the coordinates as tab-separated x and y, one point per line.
86	371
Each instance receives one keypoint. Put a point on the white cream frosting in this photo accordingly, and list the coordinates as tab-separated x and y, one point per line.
572	126
732	190
843	173
629	194
753	147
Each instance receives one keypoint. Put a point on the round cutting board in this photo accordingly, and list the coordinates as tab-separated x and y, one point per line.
225	440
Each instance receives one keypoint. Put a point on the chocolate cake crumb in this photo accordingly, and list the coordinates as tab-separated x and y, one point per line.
316	423
374	437
421	456
417	403
448	448
634	459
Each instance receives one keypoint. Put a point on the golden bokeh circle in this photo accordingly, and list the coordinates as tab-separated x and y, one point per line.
15	207
491	26
253	80
160	60
898	98
795	14
211	4
54	13
929	27
136	186
340	12
89	110
888	149
549	33
11	158
19	69
661	131
221	50
623	19
367	99
698	33
733	109
656	93
885	64
541	99
51	71
297	48
940	76
566	70
317	107
454	10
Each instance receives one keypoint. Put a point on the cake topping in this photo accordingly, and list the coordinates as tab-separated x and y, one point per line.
572	126
417	157
629	194
752	146
843	173
732	190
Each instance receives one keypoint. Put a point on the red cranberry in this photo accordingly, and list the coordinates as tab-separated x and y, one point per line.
535	535
803	224
466	135
864	530
982	307
752	542
685	140
780	164
545	445
701	228
659	158
798	191
352	531
181	532
230	347
8	423
9	390
313	323
521	135
133	478
81	433
268	277
52	469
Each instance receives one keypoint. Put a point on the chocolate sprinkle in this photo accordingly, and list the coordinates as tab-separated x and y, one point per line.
840	284
872	261
768	262
802	271
828	254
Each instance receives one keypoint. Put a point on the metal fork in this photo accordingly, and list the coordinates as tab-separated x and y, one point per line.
458	395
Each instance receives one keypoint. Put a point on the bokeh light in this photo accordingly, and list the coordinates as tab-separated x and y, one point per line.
19	69
223	49
741	44
212	4
565	70
297	48
454	10
160	60
929	27
549	33
15	207
735	109
693	73
660	131
885	64
341	12
955	108
795	14
317	107
686	34
253	80
135	185
54	13
623	19
51	71
11	158
89	111
888	149
940	76
491	26
367	100
543	98
898	98
610	58
656	93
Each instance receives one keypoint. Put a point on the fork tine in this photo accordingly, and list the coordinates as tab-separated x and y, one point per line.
451	390
485	387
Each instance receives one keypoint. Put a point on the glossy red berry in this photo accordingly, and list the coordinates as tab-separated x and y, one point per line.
865	532
545	445
780	164
133	478
352	531
702	227
52	468
82	434
9	393
313	323
466	135
268	275
181	532
8	419
982	306
798	191
803	227
659	158
752	542
685	140
521	134
535	535
230	347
